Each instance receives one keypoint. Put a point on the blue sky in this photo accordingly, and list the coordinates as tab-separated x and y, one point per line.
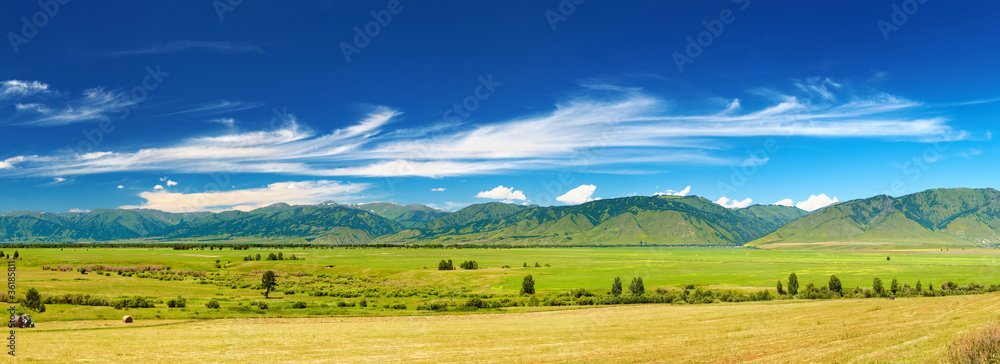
185	106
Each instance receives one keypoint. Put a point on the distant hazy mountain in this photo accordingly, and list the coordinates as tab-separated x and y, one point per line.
941	216
632	220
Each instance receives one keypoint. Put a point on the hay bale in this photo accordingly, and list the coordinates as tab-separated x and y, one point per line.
127	319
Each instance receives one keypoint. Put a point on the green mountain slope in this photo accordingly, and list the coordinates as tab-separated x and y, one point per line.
672	220
325	223
409	216
941	216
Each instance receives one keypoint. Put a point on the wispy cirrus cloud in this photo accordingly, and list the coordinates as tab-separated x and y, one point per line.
18	88
35	105
190	45
627	126
215	108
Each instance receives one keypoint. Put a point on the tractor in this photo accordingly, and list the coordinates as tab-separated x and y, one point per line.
22	321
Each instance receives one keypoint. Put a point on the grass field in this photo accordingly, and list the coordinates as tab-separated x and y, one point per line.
863	331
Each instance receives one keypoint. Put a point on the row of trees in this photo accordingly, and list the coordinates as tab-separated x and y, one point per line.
272	256
448	265
879	289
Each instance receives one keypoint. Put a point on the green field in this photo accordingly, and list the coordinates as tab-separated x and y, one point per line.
384	277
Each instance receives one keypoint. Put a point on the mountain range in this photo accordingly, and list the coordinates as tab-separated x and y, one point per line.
941	216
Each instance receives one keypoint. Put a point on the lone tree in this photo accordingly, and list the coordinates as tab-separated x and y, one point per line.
268	282
919	286
528	286
877	286
793	284
616	288
781	290
835	285
636	287
446	265
33	300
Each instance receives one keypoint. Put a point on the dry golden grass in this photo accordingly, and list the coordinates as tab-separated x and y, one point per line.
902	330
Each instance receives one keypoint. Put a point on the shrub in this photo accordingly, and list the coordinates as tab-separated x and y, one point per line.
212	303
469	264
781	290
982	346
580	292
178	302
433	306
475	302
299	304
446	265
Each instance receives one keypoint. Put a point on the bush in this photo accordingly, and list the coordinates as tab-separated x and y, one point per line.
212	303
446	265
469	264
178	302
433	306
982	346
299	304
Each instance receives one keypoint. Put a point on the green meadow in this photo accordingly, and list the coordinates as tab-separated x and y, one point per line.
562	269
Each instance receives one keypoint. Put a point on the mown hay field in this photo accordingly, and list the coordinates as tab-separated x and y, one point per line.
863	331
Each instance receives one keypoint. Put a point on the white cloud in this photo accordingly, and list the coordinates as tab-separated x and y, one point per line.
631	126
502	193
578	195
171	183
158	187
683	192
18	88
95	104
230	122
78	211
733	204
120	187
816	202
294	193
786	202
440	189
